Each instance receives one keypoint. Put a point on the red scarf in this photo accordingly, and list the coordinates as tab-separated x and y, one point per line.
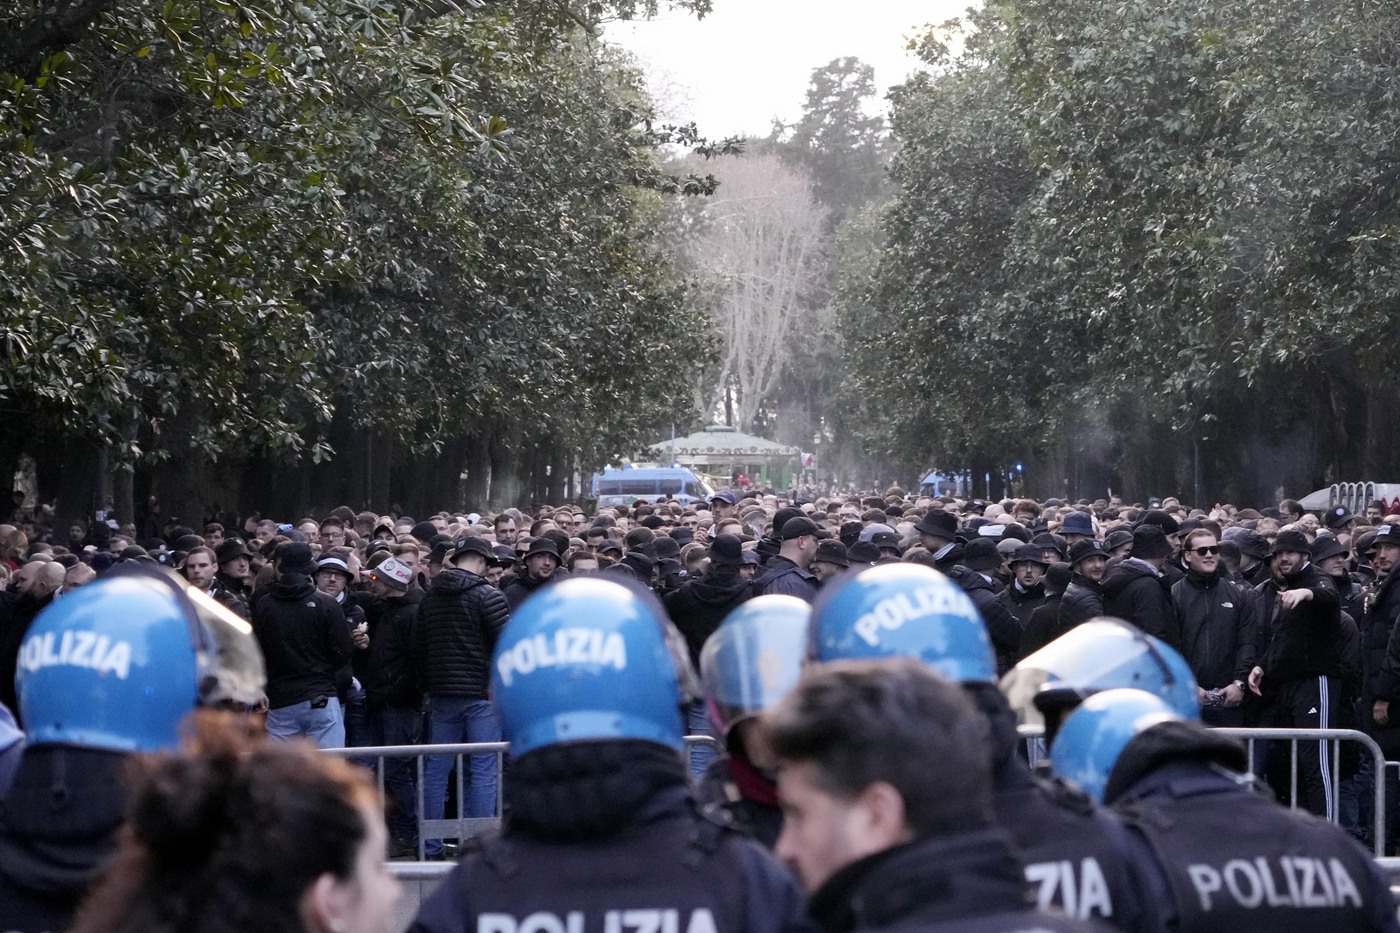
751	782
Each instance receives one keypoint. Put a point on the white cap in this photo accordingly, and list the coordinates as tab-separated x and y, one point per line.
393	572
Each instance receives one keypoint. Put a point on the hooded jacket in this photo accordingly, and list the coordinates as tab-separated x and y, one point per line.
304	638
459	621
699	606
1136	592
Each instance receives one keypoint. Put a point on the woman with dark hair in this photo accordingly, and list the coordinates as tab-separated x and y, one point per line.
236	833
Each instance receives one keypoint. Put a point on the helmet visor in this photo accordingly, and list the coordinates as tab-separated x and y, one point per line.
1097	655
231	670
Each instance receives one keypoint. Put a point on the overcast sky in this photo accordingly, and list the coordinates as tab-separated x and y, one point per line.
750	60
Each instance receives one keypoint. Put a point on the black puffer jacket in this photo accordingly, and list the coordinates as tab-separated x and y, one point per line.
1134	592
1083	600
389	677
458	623
1217	628
304	639
700	605
1381	681
1043	627
1383	611
1001	624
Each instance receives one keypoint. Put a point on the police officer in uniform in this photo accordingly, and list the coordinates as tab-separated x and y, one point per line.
601	834
1097	655
105	672
1067	844
1222	856
886	784
750	663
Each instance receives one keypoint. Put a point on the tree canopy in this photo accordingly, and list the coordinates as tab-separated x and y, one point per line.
1146	243
262	230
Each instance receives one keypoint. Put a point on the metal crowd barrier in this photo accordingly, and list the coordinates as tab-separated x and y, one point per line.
1034	739
461	826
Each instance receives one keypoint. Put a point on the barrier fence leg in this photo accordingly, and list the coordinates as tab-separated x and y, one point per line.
422	856
1293	774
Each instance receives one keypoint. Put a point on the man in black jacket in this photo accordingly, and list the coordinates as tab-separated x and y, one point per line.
979	559
541	565
1136	590
305	642
1044	624
938	532
1298	674
1083	599
1217	629
697	608
458	623
1026	592
392	693
786	574
1382	648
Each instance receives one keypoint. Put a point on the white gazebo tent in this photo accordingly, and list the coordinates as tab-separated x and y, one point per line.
722	451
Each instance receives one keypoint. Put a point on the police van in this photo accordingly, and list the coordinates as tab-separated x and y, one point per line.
614	487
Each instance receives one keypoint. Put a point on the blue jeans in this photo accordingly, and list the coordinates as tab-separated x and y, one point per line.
324	726
697	722
397	725
453	720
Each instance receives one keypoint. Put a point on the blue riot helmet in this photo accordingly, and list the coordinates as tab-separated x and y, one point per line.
591	659
1093	735
903	610
118	663
1098	655
753	659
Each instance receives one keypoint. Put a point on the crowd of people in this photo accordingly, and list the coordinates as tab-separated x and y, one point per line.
874	781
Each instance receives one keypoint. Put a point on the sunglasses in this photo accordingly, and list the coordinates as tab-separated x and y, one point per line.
1206	551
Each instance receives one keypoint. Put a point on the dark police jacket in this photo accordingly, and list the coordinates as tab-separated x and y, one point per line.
1073	852
57	826
721	787
1228	858
668	870
968	882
